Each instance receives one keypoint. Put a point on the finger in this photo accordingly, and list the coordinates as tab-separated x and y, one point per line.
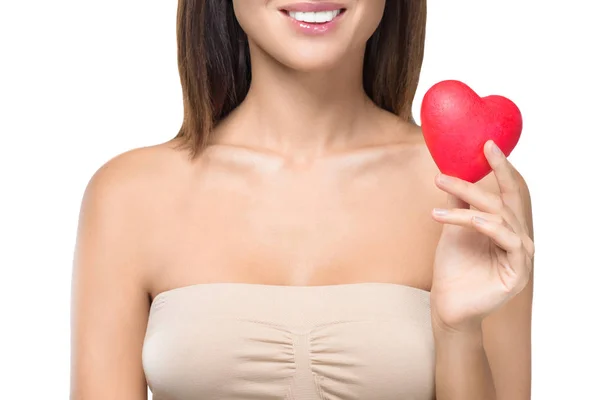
506	176
454	202
529	246
498	230
470	193
464	217
507	240
479	198
503	169
505	173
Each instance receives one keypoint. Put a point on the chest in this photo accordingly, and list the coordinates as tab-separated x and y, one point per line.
320	226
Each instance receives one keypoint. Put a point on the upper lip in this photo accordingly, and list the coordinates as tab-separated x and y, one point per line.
312	7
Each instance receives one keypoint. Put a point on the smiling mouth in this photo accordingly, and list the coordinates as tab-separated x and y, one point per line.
316	17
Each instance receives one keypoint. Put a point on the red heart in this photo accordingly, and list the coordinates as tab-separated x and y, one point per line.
456	123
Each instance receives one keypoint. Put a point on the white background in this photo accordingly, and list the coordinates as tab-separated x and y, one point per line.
81	81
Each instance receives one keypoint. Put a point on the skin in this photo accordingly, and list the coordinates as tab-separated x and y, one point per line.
339	185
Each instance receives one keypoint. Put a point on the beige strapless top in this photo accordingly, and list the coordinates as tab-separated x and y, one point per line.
230	341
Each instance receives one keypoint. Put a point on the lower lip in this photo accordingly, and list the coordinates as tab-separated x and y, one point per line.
309	28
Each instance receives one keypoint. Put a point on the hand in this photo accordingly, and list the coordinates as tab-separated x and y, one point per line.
484	256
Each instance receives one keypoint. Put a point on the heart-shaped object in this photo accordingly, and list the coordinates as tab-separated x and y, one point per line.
456	124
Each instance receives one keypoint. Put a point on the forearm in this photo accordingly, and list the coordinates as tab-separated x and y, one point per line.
462	368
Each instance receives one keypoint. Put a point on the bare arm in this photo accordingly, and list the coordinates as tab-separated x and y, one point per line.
109	301
462	368
493	360
507	332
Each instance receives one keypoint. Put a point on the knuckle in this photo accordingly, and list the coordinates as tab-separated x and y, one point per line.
516	243
529	246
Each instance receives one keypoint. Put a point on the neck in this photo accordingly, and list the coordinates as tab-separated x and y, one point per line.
304	114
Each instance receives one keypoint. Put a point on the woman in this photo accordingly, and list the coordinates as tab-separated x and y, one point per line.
285	244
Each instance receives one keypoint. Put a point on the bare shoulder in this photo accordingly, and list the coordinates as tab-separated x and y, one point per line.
110	285
134	174
126	192
137	180
417	159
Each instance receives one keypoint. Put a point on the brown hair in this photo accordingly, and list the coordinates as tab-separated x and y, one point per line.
214	63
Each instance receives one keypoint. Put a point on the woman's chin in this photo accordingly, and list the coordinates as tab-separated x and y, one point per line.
311	61
315	66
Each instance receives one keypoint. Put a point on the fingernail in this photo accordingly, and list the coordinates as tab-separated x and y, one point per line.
440	212
479	220
496	149
443	179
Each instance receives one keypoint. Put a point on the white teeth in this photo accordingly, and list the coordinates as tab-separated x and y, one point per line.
314	17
